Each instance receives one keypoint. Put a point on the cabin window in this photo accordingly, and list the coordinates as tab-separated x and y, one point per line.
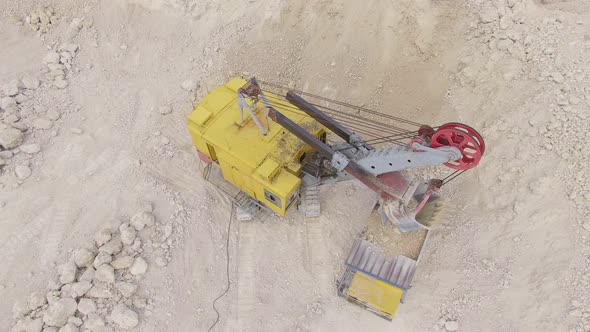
272	198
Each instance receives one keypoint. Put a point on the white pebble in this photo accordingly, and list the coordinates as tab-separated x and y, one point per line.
60	84
22	172
53	115
188	85
30	148
451	325
557	77
165	109
76	131
51	57
42	123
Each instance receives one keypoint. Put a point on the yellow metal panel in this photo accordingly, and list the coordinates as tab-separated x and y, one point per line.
377	295
268	169
200	116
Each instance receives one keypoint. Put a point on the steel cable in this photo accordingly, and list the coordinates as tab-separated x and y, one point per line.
359	108
227	268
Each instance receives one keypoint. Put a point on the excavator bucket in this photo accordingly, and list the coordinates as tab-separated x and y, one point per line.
432	212
417	205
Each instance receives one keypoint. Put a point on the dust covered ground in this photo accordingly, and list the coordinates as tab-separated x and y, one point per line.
107	225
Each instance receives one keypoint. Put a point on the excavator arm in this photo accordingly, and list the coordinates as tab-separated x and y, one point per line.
402	197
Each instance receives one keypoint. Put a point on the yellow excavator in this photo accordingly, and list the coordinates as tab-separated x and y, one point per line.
271	149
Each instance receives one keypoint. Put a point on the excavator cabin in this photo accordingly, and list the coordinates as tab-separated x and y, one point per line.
264	165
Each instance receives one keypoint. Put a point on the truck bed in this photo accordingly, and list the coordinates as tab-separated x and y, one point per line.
391	241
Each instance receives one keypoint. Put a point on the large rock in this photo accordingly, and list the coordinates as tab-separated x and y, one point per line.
20	309
28	325
69	327
59	311
60	83
30	148
123	262
105	273
75	320
103	236
7	103
36	300
143	219
51	57
53	296
83	257
102	258
87	275
10	137
86	306
78	289
36	325
30	82
112	247
94	322
11	88
99	291
127	233
124	317
126	288
67	272
42	123
139	267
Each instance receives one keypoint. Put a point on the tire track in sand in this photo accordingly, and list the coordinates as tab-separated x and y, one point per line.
246	283
317	256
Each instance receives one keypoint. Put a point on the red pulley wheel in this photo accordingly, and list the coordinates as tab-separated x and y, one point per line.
472	132
468	145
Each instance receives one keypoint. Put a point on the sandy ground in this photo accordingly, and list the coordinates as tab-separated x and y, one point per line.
109	124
